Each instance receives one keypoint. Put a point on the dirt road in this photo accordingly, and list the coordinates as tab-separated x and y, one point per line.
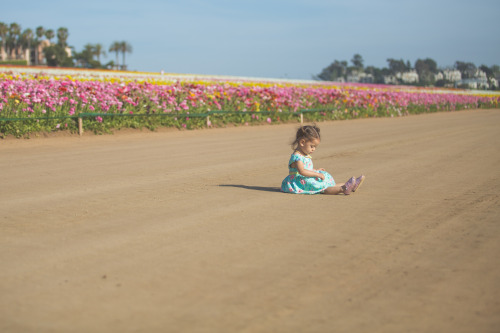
187	231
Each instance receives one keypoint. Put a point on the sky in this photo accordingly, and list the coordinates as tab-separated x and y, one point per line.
293	39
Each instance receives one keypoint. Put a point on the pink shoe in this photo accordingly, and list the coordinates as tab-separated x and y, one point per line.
349	185
358	183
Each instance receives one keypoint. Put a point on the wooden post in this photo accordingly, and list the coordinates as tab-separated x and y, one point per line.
80	126
208	121
301	118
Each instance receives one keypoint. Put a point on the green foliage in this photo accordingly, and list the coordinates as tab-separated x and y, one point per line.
357	61
336	70
26	128
87	58
14	62
467	69
426	70
56	55
107	124
398	66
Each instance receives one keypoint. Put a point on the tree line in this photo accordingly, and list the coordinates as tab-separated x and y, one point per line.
35	47
427	70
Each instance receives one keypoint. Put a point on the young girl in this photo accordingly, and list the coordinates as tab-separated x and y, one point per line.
303	178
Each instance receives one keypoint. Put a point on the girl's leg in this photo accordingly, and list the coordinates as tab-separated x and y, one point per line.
345	188
337	189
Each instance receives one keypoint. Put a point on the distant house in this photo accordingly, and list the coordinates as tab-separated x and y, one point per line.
480	74
390	79
367	78
494	83
479	81
402	77
474	83
33	56
39	52
352	78
452	75
408	77
356	77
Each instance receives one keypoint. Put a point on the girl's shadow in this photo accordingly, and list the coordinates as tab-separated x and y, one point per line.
255	188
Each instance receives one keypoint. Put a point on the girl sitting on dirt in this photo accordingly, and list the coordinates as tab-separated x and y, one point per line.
303	178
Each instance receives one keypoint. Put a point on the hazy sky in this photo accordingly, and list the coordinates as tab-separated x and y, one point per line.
271	38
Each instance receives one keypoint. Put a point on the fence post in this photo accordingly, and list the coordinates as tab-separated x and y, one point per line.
301	118
80	126
208	121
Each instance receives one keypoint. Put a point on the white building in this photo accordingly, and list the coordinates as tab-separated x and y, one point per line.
390	79
356	77
494	83
480	75
408	77
479	81
452	75
475	83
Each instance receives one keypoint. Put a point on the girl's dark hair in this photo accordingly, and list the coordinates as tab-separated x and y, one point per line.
308	132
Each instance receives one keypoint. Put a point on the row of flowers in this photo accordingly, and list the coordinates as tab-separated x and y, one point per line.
42	96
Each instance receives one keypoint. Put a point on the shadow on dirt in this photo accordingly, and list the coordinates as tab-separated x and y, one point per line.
255	188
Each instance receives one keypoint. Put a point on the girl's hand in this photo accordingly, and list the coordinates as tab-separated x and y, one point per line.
321	176
321	169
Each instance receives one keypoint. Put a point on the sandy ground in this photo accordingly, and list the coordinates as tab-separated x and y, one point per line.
186	231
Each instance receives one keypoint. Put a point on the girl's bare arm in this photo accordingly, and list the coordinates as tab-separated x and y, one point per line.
307	173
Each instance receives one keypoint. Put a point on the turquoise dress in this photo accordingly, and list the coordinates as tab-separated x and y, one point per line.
296	183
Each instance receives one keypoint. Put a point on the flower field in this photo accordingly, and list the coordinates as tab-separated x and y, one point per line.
45	102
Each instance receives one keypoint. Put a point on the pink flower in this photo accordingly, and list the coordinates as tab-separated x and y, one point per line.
269	120
184	105
99	119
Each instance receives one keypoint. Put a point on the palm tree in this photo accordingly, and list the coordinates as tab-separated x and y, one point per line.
49	34
3	33
85	58
40	32
115	47
124	48
62	36
27	37
15	32
98	51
